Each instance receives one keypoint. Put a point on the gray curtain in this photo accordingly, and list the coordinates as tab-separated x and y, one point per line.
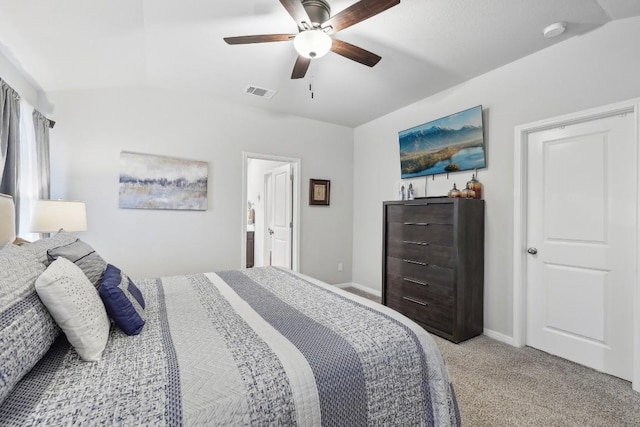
42	126
9	143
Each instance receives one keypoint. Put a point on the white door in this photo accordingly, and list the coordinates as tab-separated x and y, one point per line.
581	212
280	215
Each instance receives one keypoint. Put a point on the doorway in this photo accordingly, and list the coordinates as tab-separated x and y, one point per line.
271	211
576	238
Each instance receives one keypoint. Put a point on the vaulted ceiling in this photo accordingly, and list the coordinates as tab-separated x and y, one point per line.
426	46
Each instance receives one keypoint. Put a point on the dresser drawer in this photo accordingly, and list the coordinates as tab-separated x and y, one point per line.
421	213
420	252
428	311
438	234
421	289
431	274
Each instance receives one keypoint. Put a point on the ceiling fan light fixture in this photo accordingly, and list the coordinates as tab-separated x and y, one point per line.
312	44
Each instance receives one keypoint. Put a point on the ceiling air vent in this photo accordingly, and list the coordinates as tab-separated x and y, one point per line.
259	91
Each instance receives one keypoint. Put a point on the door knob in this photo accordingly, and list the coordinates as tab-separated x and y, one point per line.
532	251
270	231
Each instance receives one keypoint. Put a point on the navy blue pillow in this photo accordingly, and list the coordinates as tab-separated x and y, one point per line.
123	300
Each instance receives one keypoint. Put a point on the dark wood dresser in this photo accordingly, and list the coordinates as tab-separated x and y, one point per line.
433	264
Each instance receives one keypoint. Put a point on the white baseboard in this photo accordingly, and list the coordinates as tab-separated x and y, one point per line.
343	285
359	287
498	336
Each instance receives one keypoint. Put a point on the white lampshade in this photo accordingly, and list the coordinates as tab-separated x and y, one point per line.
312	43
8	223
50	216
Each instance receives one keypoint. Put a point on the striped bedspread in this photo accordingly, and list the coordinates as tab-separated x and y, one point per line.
262	346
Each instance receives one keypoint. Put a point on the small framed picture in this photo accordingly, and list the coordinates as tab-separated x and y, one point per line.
319	191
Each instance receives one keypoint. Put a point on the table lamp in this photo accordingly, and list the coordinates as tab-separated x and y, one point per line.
50	216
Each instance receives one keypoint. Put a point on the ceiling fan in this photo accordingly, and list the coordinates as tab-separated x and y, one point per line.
315	28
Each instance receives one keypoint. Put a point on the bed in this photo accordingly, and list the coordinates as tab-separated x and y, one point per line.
261	346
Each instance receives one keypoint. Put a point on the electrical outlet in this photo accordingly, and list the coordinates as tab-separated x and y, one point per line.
339	266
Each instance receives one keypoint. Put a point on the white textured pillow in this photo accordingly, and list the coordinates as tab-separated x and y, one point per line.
75	305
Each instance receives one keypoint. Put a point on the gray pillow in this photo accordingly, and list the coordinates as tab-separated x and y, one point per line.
82	255
40	247
27	330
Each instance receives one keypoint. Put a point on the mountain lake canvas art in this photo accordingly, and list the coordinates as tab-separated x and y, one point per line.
157	182
449	144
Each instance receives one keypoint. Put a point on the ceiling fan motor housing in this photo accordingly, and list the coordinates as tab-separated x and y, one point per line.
319	11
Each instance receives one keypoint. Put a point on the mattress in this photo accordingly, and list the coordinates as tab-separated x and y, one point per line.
262	346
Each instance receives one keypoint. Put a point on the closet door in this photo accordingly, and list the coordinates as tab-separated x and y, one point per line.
581	262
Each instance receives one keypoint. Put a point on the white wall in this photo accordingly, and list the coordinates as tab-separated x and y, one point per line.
19	82
93	126
595	69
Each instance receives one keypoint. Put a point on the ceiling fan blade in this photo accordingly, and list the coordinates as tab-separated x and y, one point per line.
265	38
357	12
296	10
354	53
301	67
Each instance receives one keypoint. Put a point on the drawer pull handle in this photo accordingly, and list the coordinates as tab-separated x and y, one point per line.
422	224
410	261
417	282
428	204
410	242
416	301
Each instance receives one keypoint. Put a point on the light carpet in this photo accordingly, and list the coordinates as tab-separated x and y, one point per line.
500	385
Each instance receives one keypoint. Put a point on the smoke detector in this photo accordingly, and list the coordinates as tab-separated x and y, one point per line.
259	91
554	29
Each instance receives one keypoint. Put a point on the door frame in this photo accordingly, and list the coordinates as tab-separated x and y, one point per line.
520	197
295	173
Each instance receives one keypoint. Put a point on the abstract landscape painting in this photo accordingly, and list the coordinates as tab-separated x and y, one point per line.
157	182
450	144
